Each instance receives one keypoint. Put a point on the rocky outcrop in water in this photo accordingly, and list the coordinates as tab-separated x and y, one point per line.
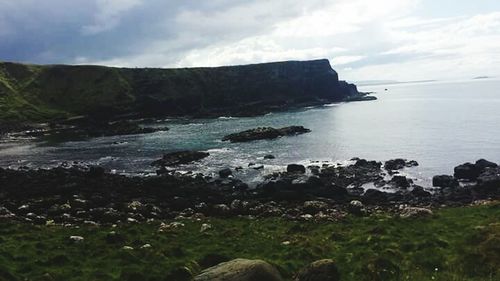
265	133
180	157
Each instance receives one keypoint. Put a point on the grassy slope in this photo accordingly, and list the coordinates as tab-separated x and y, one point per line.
456	244
40	93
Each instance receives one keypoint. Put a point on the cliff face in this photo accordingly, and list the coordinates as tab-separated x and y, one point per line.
37	93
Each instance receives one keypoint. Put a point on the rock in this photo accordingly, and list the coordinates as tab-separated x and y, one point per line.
240	270
265	133
295	168
488	182
180	157
467	171
115	238
269	156
482	164
419	191
400	182
444	181
146	246
355	207
224	173
322	270
313	207
374	196
164	227
415	212
76	239
205	227
395	164
96	172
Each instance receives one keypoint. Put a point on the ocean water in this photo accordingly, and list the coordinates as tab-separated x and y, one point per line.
439	124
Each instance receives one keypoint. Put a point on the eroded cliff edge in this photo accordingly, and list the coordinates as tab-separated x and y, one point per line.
34	93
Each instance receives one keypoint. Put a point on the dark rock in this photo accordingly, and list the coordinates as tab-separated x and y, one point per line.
398	164
400	182
180	157
224	173
488	183
313	207
269	156
322	270
444	181
295	168
373	196
467	171
419	191
482	164
96	172
355	207
265	133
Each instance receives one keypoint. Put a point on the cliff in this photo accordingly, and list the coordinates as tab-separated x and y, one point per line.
42	93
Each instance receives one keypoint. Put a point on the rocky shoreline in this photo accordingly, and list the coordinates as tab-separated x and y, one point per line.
91	195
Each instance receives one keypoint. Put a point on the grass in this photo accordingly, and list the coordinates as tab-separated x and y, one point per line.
455	244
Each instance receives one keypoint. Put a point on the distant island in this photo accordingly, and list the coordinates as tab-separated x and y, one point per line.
41	93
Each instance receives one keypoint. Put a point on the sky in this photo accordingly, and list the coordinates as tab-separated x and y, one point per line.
401	40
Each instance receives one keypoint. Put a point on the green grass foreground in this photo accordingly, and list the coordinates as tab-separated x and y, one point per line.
454	244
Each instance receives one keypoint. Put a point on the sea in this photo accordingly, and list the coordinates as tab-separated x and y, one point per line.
440	124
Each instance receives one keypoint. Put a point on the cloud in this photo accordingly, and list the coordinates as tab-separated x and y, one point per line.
108	15
366	40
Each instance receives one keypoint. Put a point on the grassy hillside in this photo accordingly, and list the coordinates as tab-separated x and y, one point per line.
455	244
41	93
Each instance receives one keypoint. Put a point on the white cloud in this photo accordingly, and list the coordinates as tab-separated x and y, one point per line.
108	15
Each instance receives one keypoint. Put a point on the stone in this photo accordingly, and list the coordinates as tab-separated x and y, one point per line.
180	157
296	168
224	173
482	164
321	270
355	207
444	181
205	227
416	212
240	270
76	239
401	182
269	156
265	133
313	207
466	171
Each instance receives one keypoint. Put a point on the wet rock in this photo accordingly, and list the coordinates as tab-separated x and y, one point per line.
398	164
415	212
240	270
205	227
467	171
322	270
295	168
444	181
482	164
488	182
265	133
180	157
400	182
224	173
269	156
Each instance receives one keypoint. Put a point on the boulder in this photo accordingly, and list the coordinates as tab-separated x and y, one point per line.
467	171
482	164
488	182
240	270
444	181
180	157
400	182
224	173
374	196
269	156
322	270
295	168
415	212
355	207
398	164
419	191
265	133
